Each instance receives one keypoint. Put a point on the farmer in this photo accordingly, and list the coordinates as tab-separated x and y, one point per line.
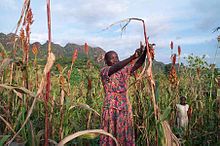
117	111
183	113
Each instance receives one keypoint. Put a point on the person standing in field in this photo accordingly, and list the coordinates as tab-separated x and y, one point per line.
183	113
117	117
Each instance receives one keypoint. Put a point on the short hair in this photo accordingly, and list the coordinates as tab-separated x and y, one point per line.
107	54
181	97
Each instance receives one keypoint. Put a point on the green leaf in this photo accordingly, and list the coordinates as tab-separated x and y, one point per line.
160	129
165	114
4	139
161	137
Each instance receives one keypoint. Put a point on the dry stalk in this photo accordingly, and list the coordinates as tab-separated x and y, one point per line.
45	81
93	133
7	124
48	74
24	9
51	117
61	114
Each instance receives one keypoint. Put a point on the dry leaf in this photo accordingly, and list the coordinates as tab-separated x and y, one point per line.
81	133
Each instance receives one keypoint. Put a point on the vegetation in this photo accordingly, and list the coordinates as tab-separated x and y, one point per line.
79	106
76	96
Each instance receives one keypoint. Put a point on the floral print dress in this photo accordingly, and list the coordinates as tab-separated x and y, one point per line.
116	112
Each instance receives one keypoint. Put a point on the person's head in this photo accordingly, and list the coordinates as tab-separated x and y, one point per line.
111	58
182	100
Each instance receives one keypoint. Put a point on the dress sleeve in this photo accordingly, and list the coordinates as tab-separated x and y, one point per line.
104	74
178	107
187	107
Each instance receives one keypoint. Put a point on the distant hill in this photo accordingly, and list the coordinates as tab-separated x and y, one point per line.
95	53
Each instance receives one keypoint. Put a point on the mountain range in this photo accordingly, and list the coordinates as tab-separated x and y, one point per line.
95	53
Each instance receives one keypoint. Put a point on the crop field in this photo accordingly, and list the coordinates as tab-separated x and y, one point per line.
53	101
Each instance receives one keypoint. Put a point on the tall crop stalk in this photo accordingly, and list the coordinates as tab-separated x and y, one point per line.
35	52
179	53
62	96
61	113
48	74
74	57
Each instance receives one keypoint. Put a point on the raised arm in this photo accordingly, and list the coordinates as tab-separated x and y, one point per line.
139	62
116	67
119	65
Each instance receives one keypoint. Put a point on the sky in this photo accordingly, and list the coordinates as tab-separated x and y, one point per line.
188	23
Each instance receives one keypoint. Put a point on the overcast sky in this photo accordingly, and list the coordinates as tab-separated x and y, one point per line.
188	23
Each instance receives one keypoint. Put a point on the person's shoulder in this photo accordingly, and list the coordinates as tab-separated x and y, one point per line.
178	106
104	70
183	106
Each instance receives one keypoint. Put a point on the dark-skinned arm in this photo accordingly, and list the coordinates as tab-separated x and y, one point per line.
139	62
116	67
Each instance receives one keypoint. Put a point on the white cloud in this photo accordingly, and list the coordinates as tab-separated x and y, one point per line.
82	21
190	40
208	13
90	12
39	37
9	4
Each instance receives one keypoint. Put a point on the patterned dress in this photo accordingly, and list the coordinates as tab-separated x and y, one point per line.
116	112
